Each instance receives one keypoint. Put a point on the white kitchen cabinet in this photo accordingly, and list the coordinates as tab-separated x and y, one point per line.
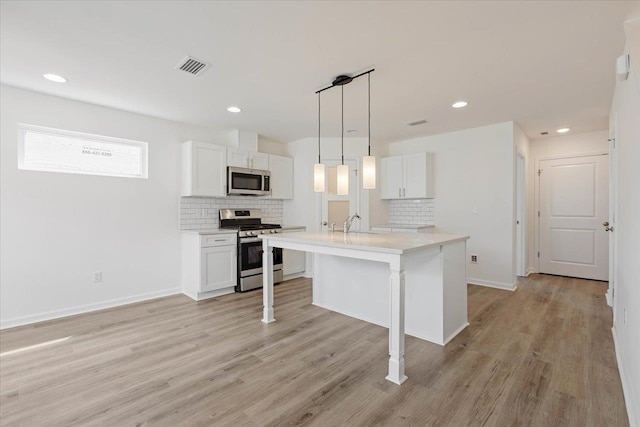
293	262
238	157
409	176
204	169
209	264
391	177
281	169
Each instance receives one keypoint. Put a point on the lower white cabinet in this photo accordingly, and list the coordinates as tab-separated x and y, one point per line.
209	264
294	263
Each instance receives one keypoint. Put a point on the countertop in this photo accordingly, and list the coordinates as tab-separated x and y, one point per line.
393	243
403	226
208	231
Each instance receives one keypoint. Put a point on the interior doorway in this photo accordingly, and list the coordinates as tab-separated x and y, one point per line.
521	191
336	208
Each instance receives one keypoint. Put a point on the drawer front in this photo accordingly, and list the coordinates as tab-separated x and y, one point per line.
212	240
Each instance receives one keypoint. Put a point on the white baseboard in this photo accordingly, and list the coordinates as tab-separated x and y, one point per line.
531	271
292	276
490	284
632	412
56	314
609	297
454	333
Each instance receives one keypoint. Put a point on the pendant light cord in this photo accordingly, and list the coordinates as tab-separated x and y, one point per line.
319	128
369	88
342	134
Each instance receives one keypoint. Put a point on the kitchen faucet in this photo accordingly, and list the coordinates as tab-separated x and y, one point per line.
347	223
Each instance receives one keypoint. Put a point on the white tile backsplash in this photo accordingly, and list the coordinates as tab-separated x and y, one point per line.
202	212
412	211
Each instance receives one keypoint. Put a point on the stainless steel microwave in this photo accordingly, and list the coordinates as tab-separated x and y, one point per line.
248	182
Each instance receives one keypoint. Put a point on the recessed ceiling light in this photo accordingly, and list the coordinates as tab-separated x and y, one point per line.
460	104
563	130
55	78
234	109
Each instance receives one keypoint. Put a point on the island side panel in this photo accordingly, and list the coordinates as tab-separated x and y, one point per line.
455	290
360	289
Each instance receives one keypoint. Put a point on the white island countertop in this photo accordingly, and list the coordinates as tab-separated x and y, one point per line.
390	243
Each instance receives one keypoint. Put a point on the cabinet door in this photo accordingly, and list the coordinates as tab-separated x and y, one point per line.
237	157
219	268
415	175
259	161
281	177
293	262
208	167
418	176
391	177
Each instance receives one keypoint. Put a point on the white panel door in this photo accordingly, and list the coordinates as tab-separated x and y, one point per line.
574	204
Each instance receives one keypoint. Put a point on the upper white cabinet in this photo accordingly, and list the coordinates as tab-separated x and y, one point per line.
238	157
204	168
409	176
281	177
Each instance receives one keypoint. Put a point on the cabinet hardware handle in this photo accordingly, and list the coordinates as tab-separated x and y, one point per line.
399	192
220	240
404	192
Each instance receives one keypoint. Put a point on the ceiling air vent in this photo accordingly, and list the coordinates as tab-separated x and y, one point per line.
544	133
192	66
416	123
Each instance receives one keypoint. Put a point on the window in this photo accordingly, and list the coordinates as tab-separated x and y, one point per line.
54	150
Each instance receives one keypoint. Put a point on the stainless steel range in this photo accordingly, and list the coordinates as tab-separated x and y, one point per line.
249	224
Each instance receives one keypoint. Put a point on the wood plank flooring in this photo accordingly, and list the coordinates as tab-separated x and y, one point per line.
540	356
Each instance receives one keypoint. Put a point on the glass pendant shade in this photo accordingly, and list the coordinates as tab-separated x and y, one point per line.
343	180
369	172
319	178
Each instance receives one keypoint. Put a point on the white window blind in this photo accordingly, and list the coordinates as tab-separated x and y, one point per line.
55	150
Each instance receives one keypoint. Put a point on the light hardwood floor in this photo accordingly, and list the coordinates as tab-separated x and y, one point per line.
540	356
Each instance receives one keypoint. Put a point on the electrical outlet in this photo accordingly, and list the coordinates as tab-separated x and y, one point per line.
474	258
97	276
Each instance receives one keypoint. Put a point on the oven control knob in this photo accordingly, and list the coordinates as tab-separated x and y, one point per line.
273	231
252	233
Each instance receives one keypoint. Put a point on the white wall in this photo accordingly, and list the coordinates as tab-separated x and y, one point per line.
476	168
59	228
625	111
549	147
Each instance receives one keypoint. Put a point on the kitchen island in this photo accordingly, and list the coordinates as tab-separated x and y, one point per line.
390	279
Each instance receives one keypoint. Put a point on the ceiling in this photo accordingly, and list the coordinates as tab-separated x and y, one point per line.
543	64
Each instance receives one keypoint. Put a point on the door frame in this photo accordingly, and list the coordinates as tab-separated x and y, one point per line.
521	214
358	194
613	211
536	197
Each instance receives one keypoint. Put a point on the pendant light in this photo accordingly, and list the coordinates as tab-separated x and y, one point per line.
343	170
369	161
319	175
342	173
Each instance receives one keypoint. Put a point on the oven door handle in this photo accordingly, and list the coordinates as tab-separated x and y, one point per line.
250	240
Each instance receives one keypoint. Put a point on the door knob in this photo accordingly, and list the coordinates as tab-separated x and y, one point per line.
608	229
325	223
606	223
